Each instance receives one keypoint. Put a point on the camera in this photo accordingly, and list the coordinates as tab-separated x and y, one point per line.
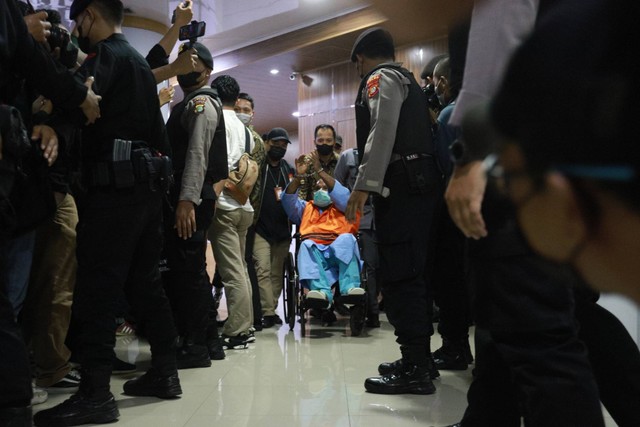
192	31
432	99
59	37
292	76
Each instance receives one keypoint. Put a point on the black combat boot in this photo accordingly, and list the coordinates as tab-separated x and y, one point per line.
15	417
191	355
386	368
408	375
92	404
216	351
453	355
154	383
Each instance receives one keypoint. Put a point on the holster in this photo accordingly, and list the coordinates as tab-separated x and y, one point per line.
416	167
131	162
152	168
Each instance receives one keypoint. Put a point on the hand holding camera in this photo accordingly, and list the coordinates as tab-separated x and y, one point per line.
183	14
38	26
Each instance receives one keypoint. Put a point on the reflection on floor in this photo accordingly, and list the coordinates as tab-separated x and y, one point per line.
283	380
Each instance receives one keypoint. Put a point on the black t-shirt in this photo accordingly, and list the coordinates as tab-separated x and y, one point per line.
273	223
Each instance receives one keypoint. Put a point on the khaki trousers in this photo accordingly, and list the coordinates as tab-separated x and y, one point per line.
269	261
47	310
228	235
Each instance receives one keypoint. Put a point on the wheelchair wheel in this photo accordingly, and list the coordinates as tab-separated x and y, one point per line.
300	308
356	321
290	278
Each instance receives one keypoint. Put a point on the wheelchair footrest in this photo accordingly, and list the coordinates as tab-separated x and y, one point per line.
351	299
314	303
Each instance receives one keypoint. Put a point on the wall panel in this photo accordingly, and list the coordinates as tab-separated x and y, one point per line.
330	96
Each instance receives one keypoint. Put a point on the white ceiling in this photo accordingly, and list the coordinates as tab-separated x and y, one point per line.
248	38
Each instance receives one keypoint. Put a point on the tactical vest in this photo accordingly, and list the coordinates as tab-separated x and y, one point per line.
414	133
217	168
325	227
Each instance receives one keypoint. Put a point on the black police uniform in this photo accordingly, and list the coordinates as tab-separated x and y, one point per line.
22	57
186	278
120	229
403	218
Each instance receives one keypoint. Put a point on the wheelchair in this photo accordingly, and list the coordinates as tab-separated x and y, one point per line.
296	304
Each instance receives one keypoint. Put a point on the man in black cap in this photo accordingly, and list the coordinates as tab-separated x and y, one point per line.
119	234
198	142
272	230
398	167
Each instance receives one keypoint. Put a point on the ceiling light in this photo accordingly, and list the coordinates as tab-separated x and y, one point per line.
296	114
274	71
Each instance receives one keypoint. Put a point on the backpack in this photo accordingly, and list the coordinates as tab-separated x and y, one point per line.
243	178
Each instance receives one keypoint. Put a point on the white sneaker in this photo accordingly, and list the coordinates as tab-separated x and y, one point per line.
40	395
355	291
317	295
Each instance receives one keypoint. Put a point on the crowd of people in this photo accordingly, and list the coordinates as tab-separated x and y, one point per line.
498	189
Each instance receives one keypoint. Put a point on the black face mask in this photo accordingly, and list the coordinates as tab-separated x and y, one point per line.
83	41
189	80
276	153
324	150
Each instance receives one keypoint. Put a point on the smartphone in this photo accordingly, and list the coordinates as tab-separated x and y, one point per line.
192	31
173	17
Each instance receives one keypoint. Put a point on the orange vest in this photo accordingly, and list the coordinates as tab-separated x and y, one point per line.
325	227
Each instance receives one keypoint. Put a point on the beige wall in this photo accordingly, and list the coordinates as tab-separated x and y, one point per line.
330	96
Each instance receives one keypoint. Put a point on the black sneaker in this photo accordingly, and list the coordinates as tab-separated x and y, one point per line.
277	319
79	409
239	341
154	384
268	321
216	351
193	356
411	379
68	384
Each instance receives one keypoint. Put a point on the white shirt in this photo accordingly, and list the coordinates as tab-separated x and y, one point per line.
236	141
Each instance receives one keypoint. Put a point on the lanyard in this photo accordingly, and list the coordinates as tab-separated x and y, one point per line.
276	181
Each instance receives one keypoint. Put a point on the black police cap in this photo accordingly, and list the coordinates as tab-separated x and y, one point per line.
78	6
372	36
201	50
277	134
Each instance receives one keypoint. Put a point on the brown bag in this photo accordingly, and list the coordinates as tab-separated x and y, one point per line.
242	179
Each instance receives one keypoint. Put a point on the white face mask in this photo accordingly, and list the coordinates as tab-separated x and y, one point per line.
244	118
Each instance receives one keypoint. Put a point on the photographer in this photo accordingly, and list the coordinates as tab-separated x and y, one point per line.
159	54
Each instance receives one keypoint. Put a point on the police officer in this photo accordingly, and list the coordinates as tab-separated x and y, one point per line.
119	234
398	167
197	136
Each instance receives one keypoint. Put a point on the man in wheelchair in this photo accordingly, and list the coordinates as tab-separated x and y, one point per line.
328	252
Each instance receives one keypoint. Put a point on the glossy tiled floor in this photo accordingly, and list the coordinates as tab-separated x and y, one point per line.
284	380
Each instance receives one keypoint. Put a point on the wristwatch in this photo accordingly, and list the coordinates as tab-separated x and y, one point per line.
459	153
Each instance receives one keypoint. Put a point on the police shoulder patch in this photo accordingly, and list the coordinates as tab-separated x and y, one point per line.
198	104
373	85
